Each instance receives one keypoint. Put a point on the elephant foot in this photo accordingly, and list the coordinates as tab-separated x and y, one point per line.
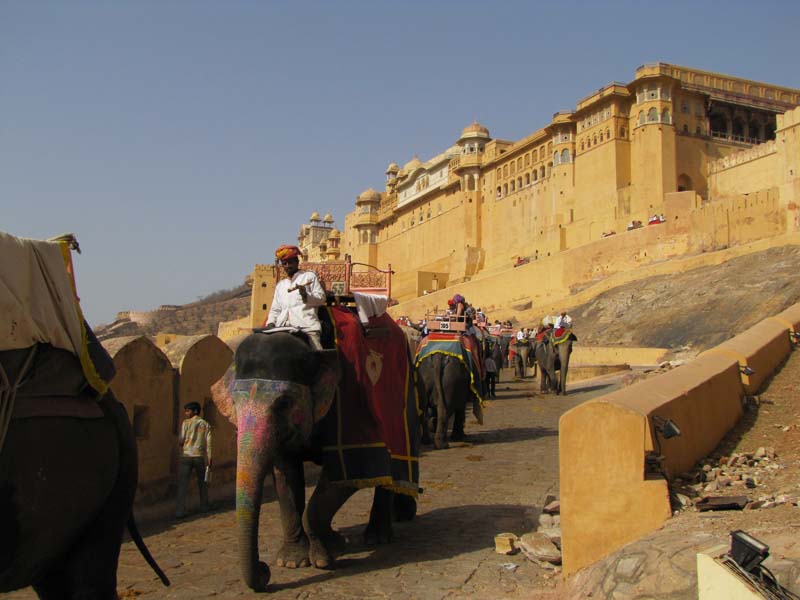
258	578
441	444
405	507
294	555
459	436
322	551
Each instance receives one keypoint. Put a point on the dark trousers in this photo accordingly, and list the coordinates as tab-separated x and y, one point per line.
186	465
491	381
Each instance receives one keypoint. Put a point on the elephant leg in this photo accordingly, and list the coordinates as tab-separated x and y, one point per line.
405	507
289	480
442	416
379	529
325	543
459	418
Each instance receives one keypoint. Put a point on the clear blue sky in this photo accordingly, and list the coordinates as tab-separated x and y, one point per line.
183	141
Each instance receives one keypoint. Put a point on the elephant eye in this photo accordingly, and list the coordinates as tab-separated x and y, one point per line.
282	402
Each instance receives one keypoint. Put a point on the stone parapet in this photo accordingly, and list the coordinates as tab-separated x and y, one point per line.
611	494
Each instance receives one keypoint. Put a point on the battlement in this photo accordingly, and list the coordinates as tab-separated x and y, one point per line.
741	157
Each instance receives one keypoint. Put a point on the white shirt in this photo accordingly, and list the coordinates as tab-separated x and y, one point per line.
288	308
521	335
564	322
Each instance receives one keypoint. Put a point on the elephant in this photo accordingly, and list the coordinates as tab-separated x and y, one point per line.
68	476
521	358
551	358
279	394
447	387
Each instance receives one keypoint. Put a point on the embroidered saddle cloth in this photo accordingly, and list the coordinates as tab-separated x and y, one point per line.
370	436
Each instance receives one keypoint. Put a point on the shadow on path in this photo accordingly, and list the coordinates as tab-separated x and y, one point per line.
442	533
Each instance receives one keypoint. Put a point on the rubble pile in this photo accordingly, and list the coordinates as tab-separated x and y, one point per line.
541	546
746	474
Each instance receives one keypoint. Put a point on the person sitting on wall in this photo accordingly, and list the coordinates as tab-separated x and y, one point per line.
296	297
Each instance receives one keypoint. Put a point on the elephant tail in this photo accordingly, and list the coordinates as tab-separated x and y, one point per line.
137	539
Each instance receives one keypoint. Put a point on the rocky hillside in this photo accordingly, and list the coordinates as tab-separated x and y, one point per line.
696	310
198	317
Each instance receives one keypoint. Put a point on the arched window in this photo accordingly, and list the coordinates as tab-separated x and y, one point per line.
565	158
528	160
519	183
535	155
685	128
499	173
555	158
684	182
513	167
601	136
549	168
505	170
719	123
665	116
594	140
505	189
541	172
499	191
754	130
513	185
622	132
581	145
698	131
527	178
652	115
641	117
535	175
608	133
519	164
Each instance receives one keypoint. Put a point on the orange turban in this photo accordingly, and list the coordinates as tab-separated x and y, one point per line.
286	252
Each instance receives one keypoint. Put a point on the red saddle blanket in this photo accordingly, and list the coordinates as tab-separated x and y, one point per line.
370	435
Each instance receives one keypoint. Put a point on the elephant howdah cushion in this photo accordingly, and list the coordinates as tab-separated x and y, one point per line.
366	436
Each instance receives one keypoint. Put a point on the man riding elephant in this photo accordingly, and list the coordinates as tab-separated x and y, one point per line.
296	297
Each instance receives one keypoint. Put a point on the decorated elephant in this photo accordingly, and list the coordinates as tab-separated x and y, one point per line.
68	476
345	408
553	354
449	380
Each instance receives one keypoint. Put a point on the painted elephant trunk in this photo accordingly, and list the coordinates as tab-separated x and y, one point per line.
254	431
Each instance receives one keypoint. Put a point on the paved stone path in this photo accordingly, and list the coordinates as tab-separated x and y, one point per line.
494	483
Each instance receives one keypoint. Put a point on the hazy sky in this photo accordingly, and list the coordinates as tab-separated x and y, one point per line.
183	141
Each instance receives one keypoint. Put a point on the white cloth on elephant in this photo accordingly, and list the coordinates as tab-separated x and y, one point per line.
563	322
521	335
288	308
370	305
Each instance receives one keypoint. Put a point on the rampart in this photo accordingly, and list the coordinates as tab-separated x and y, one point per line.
153	384
614	459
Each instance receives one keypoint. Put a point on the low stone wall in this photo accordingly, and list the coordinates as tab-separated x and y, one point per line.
609	496
614	355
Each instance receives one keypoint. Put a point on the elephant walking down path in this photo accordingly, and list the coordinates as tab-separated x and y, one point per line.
353	409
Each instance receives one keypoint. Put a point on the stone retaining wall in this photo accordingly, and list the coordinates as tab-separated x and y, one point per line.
609	495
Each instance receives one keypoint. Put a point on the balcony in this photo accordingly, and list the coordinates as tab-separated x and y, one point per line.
370	218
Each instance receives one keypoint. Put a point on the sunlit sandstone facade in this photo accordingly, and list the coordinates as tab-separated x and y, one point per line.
478	205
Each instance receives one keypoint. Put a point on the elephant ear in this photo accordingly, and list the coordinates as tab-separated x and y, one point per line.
326	382
221	394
